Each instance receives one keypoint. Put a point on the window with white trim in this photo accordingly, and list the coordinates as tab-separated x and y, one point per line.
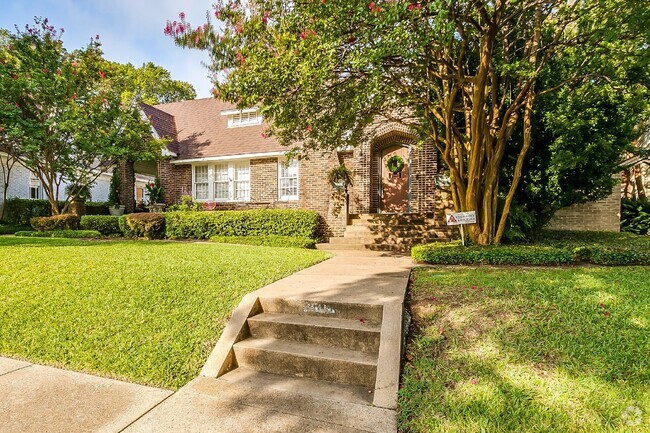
244	118
35	187
221	182
288	180
201	182
225	181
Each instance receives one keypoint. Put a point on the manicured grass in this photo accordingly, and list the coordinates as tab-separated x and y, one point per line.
149	312
528	350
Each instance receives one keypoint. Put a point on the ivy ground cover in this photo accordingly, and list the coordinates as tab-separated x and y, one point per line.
148	312
528	350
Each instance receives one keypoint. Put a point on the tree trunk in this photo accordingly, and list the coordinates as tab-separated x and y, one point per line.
638	179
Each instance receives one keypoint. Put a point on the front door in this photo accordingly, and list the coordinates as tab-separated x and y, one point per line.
395	184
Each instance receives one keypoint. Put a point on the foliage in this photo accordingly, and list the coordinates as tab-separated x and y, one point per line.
340	177
96	208
62	115
114	189
81	193
526	350
551	248
464	76
65	234
268	240
259	222
455	254
187	204
152	85
143	225
395	164
635	216
55	222
10	229
105	224
20	210
155	191
146	312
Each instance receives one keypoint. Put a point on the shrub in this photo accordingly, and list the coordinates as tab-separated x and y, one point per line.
72	234
56	222
269	240
96	208
187	204
143	225
105	224
635	216
456	254
613	256
10	229
19	210
259	222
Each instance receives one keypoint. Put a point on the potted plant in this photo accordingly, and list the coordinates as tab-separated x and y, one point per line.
115	208
78	195
340	178
155	192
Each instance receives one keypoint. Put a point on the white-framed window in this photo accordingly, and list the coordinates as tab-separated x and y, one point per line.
225	181
35	187
244	118
201	182
288	180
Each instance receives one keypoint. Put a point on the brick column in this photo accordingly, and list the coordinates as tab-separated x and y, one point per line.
127	185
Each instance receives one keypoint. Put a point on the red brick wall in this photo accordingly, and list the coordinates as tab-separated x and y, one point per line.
175	179
602	215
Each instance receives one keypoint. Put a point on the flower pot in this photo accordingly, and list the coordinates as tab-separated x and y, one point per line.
116	210
157	207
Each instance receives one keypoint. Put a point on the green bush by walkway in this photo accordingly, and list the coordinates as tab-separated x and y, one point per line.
66	234
105	224
552	248
269	240
259	222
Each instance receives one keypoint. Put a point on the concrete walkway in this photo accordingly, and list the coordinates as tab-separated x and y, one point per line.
43	399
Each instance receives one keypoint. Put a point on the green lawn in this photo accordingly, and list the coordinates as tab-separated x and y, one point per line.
148	312
528	350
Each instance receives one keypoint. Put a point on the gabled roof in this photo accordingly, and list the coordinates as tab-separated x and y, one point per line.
199	130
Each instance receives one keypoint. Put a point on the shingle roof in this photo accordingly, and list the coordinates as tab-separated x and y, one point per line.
200	130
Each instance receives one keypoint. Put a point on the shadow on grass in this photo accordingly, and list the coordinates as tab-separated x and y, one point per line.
527	350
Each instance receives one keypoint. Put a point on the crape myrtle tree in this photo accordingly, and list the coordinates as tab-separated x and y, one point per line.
463	75
152	84
62	114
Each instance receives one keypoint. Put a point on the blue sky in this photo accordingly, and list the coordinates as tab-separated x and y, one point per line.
130	30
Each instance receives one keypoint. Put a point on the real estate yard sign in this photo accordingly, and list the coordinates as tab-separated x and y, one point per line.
460	218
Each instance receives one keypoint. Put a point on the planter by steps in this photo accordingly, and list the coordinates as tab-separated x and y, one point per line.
116	210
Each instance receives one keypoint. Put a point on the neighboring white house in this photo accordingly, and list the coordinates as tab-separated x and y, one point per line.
23	184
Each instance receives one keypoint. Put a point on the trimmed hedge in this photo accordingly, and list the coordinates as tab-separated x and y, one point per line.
96	208
72	234
143	225
20	210
258	222
56	222
105	224
269	240
456	254
544	255
10	229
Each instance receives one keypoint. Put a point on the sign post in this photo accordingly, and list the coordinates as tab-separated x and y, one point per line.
460	219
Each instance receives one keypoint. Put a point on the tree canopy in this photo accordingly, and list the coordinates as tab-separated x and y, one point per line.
62	113
152	84
463	75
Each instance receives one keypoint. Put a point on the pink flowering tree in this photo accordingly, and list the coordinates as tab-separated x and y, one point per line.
465	76
62	114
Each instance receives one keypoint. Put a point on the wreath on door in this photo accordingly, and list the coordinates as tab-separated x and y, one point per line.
395	164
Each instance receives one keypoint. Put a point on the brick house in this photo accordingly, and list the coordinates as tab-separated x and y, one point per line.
219	154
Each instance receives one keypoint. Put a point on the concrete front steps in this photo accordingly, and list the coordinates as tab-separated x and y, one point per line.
389	232
326	344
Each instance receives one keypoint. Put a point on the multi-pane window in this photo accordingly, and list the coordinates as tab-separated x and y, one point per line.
201	183
242	185
244	118
288	180
35	187
221	182
224	181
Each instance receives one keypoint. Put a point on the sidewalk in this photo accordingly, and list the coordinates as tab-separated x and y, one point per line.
43	399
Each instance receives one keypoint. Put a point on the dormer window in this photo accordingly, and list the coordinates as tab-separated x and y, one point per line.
247	117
